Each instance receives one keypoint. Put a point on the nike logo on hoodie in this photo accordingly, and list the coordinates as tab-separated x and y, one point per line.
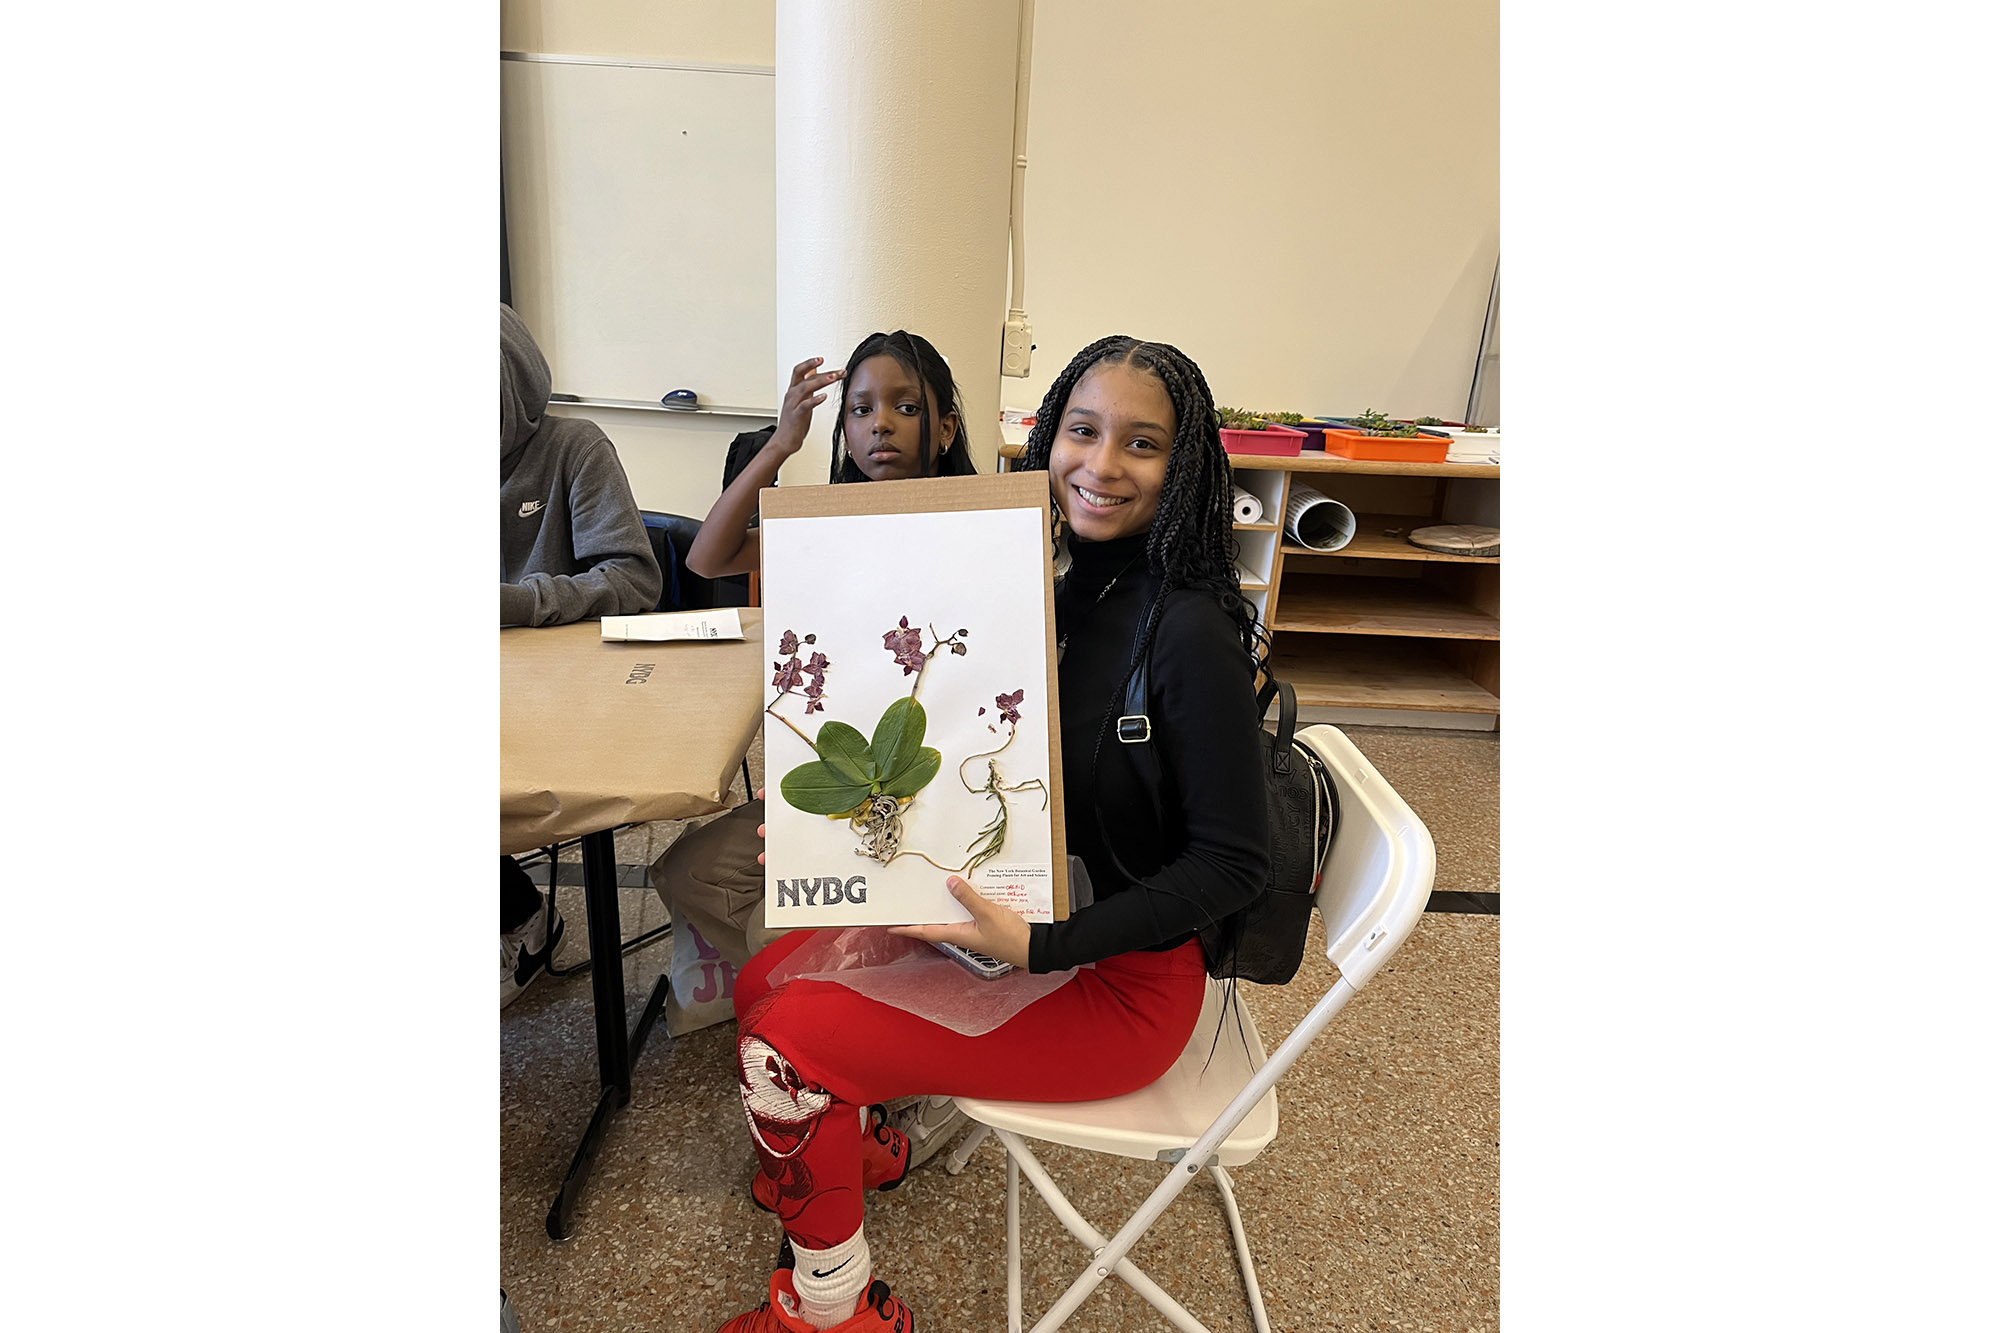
529	507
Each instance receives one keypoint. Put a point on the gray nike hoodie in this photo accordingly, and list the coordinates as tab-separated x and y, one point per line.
571	542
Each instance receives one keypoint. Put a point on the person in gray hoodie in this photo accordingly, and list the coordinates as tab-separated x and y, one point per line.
572	547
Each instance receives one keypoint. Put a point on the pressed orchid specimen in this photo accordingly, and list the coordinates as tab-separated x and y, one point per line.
870	780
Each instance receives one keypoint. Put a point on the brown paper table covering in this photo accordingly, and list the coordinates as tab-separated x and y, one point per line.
595	734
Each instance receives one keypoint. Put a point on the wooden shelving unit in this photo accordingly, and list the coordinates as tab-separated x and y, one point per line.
1322	604
1378	624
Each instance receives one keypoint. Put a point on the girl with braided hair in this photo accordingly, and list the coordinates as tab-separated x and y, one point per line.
900	416
1140	499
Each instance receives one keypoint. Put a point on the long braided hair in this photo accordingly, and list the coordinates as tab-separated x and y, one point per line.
1192	542
934	382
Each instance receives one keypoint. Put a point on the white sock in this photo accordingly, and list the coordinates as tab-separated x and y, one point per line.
830	1281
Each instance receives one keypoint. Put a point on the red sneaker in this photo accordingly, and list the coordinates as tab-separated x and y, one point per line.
876	1312
885	1160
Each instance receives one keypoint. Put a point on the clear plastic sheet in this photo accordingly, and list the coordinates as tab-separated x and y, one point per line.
914	977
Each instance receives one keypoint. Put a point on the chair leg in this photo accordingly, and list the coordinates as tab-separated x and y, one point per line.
1013	1245
956	1159
1249	1266
1093	1276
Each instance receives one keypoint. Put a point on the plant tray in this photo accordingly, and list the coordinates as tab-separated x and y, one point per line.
1387	448
1274	440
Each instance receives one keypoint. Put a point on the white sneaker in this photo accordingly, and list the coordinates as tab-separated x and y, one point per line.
929	1123
525	953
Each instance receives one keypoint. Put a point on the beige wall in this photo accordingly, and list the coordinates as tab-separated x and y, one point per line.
1303	196
702	32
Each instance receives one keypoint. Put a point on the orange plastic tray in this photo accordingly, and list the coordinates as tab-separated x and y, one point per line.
1386	448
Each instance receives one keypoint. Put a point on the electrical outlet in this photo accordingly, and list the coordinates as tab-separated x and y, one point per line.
1016	342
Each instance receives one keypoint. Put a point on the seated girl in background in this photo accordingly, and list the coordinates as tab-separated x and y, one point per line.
900	416
1137	475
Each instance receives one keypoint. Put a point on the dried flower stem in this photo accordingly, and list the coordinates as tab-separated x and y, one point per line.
986	844
772	709
939	641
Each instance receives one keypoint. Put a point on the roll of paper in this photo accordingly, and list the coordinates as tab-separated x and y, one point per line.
1249	509
1315	521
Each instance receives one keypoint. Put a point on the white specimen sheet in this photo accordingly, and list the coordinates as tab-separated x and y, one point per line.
880	593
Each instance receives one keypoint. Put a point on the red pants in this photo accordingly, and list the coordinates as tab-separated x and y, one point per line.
811	1053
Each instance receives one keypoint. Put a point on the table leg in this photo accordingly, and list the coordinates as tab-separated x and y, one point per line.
615	1052
607	964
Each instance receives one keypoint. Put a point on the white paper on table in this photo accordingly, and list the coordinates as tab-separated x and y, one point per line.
720	622
848	581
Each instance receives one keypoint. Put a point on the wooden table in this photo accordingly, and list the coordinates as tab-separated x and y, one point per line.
595	735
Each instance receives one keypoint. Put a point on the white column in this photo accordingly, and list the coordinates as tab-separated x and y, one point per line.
895	159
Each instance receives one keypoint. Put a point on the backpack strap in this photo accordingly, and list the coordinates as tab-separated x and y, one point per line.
1288	718
1135	728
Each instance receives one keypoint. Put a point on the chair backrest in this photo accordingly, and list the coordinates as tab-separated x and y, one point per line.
1378	873
680	588
671	535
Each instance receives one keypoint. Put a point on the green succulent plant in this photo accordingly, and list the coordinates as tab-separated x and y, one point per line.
1235	418
1370	422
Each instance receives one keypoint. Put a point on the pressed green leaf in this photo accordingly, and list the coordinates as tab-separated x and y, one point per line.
819	789
897	737
917	776
846	751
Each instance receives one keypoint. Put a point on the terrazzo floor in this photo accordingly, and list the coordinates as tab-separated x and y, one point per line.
1377	1207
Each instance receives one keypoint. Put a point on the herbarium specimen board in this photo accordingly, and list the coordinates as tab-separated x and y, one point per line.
910	730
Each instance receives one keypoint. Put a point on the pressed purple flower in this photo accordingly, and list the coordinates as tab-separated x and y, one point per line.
815	704
789	675
957	648
816	666
789	644
1010	705
908	646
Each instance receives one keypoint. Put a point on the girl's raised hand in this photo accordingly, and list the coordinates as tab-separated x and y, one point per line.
795	416
995	931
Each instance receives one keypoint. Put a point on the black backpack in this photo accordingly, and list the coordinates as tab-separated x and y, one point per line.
1265	941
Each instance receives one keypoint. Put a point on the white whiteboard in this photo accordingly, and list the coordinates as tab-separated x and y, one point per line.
642	225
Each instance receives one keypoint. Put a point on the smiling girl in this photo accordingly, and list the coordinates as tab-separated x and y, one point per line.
1138	479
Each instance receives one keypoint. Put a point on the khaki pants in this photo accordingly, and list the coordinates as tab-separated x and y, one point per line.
710	880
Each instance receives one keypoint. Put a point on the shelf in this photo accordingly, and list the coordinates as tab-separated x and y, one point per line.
1339	676
1322	604
1256	527
1319	462
1313	461
1370	544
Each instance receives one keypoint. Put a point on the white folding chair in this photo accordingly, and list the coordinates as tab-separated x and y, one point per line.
1218	1105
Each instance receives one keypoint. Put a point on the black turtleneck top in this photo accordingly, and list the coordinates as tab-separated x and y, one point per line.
1212	856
